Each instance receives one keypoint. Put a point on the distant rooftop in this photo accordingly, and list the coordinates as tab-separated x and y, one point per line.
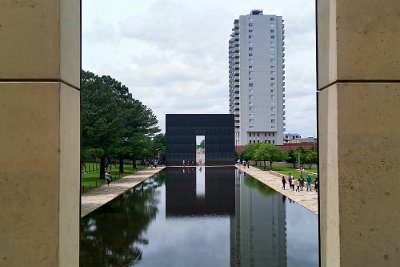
256	12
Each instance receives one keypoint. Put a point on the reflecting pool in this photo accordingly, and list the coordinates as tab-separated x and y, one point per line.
200	217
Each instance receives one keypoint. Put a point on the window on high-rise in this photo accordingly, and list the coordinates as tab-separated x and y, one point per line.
272	31
250	48
272	36
250	24
272	19
250	84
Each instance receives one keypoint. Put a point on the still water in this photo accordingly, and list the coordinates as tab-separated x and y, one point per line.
200	217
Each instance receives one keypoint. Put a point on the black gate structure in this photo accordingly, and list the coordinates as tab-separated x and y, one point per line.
181	132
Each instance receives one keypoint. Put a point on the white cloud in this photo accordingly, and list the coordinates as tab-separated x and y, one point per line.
173	55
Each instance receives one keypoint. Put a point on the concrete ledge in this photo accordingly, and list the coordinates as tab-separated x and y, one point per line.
309	200
96	198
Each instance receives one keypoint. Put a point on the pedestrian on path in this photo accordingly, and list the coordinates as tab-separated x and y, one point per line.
108	178
309	180
283	182
248	164
297	184
301	182
290	181
316	182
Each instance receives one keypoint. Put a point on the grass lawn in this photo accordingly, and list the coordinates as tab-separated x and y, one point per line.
92	178
296	174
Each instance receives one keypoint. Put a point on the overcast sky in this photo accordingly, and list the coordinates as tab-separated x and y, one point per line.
173	55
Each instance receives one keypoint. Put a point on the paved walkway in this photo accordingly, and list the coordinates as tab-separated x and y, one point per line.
308	200
101	195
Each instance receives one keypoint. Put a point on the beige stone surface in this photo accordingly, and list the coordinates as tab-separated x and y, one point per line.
358	40
326	19
359	155
69	207
29	174
70	42
328	167
368	157
38	41
96	198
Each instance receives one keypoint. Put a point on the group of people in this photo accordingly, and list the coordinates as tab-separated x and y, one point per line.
244	163
298	184
153	163
189	163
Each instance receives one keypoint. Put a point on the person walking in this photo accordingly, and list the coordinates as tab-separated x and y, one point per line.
283	182
248	164
108	178
301	182
290	179
297	184
309	180
316	182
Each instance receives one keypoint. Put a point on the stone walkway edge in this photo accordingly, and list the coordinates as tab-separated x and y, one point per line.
309	200
99	196
96	198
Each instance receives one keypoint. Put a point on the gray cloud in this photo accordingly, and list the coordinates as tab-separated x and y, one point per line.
173	55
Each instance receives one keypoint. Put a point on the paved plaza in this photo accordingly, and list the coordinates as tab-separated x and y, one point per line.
308	200
98	197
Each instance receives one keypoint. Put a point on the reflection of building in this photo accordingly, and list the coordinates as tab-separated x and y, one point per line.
258	229
183	197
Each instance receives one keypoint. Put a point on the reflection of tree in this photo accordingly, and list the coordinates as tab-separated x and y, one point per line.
259	186
111	236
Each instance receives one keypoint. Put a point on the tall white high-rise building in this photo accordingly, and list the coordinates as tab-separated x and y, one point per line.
257	78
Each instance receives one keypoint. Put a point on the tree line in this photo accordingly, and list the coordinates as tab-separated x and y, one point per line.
115	126
265	152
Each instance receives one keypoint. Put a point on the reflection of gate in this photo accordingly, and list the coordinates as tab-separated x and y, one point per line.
181	132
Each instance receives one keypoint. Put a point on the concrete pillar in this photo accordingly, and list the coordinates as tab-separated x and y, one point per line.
39	132
359	131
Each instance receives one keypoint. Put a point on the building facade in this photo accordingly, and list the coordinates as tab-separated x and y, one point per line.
256	78
217	129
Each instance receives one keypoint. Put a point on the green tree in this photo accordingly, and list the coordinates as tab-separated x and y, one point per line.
269	152
102	120
248	152
113	122
159	147
291	157
311	157
300	154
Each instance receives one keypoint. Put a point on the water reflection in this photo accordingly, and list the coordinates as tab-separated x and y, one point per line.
224	219
183	199
112	235
259	225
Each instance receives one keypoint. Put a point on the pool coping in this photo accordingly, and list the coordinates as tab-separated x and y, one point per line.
308	200
99	196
